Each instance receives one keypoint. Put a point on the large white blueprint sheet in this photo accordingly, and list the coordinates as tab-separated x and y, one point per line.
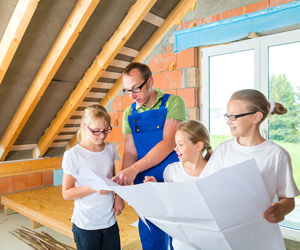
222	211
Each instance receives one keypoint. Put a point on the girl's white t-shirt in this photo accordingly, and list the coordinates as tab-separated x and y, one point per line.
273	162
93	211
175	172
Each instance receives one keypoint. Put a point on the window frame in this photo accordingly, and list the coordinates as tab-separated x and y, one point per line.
261	79
260	46
206	53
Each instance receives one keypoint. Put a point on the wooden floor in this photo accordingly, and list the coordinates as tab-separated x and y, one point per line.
46	206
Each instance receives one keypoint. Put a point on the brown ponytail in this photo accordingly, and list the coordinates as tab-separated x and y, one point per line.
257	102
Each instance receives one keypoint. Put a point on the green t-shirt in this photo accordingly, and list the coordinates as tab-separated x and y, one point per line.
175	105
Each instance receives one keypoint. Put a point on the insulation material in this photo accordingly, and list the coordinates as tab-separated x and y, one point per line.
236	28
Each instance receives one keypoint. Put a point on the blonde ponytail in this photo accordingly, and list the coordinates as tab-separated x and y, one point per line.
196	132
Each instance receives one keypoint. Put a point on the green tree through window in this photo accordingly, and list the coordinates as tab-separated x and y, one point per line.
285	128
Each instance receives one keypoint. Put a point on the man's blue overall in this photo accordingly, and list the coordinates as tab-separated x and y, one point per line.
147	130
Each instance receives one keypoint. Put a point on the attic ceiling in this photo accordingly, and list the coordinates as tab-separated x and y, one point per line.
57	57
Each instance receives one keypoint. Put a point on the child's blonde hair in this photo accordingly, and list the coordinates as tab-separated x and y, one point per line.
92	113
195	132
257	102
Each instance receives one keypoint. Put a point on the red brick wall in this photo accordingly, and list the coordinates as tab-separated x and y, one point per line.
178	73
19	183
235	12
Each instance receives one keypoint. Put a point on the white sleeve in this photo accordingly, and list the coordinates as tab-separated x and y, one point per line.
168	173
69	163
286	186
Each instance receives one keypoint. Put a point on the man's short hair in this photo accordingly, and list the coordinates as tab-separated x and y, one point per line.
142	68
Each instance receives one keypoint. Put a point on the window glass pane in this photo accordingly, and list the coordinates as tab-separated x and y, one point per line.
228	73
284	87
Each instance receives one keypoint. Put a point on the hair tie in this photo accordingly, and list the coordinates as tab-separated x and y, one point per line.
272	107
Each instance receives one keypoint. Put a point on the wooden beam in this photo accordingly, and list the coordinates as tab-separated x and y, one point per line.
58	144
119	63
35	225
103	85
129	52
72	142
154	19
14	32
129	24
23	147
64	137
178	12
173	18
68	35
9	211
70	129
84	105
77	121
112	75
29	166
95	95
78	112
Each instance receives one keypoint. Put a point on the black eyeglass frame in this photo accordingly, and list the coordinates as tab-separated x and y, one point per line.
135	90
234	117
100	132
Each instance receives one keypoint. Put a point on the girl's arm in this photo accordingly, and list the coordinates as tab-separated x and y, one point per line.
276	212
71	192
118	205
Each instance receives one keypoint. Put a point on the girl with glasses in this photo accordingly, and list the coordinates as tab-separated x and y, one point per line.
246	110
94	215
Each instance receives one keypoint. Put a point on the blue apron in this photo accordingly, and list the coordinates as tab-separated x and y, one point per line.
147	130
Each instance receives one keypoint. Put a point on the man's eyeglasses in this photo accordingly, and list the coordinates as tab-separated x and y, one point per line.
234	117
134	90
99	132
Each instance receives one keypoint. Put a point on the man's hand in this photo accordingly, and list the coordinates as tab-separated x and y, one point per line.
126	176
274	214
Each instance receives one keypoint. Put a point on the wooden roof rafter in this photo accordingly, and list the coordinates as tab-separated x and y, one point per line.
22	147
134	17
150	18
154	19
95	95
14	32
103	85
68	35
119	63
84	104
174	17
129	51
